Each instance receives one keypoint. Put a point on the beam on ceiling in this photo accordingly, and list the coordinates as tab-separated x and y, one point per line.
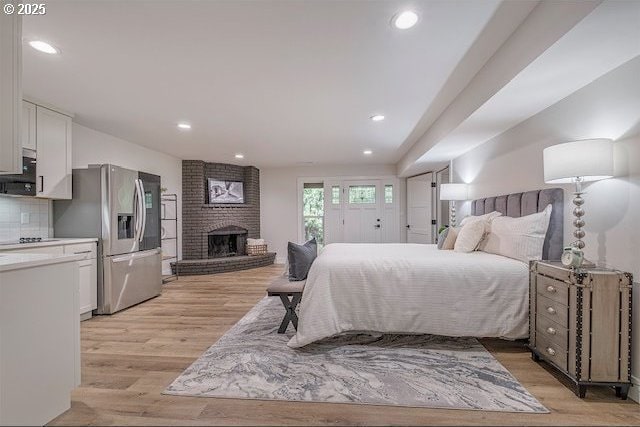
534	31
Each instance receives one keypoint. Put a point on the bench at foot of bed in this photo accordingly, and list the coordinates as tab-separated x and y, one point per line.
285	289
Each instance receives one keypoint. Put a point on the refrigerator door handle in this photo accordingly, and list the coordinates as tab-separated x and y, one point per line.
137	211
143	207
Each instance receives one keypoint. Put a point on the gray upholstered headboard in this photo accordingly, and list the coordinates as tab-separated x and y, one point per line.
520	204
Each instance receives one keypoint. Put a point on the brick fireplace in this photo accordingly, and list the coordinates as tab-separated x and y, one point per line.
214	234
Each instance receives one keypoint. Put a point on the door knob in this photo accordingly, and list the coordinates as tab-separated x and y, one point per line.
408	226
377	226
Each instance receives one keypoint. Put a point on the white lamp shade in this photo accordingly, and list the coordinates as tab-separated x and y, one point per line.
590	159
453	192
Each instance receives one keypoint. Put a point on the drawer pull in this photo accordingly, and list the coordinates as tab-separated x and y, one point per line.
551	331
551	351
551	289
82	252
551	310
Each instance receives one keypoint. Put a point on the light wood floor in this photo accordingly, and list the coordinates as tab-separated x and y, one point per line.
129	358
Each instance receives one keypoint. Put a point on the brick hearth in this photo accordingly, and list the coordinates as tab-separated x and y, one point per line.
222	265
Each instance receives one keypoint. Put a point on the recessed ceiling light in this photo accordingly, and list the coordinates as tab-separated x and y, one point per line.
184	126
239	156
405	20
367	152
377	118
43	47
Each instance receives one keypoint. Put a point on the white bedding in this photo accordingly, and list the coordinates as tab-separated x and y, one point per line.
412	288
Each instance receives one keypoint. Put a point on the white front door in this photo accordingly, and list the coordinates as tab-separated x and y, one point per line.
419	209
363	211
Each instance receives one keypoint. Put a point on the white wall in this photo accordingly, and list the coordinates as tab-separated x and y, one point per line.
512	162
93	147
279	199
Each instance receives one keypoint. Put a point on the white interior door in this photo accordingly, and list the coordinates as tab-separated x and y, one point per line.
420	209
362	211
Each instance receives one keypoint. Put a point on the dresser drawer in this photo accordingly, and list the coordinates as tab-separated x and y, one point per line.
553	289
551	331
556	270
552	310
86	249
555	353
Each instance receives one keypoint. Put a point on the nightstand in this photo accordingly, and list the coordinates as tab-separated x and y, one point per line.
580	323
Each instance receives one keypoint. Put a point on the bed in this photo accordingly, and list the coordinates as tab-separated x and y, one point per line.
418	289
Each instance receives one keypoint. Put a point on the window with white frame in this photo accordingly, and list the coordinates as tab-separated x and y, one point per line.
313	211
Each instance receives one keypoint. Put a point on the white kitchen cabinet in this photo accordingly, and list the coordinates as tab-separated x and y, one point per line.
10	93
88	273
87	268
40	351
29	126
53	167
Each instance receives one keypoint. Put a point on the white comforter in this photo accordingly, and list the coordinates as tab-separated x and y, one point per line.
411	288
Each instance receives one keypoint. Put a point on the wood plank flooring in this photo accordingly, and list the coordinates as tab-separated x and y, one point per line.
129	358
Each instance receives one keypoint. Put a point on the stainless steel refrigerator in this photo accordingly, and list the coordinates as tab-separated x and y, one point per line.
121	207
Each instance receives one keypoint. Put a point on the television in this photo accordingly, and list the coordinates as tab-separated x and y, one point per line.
225	191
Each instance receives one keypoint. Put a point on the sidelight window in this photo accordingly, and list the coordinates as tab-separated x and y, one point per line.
313	211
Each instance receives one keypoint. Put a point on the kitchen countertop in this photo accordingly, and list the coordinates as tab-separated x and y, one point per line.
10	261
55	241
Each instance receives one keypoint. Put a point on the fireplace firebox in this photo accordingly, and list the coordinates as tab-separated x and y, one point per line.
227	242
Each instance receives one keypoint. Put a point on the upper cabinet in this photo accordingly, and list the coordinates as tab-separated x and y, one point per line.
29	126
53	142
10	93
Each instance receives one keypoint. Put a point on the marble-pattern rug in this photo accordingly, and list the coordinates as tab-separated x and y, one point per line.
252	361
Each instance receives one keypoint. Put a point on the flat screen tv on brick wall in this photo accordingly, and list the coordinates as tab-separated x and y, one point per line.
226	191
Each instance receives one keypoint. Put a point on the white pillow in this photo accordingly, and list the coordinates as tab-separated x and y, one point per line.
519	238
470	236
486	217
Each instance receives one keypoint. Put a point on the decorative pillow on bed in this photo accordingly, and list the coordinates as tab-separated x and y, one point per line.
300	258
442	236
450	239
519	238
470	236
486	217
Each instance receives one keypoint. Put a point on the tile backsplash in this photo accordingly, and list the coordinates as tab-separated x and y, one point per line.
35	213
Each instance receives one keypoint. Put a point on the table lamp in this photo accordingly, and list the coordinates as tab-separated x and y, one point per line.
453	192
578	162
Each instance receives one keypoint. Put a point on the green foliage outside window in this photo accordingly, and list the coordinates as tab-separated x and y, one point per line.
313	213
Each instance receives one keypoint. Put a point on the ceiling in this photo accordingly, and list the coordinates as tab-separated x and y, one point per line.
283	82
604	40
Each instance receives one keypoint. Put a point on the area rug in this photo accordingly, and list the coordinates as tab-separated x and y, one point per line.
252	361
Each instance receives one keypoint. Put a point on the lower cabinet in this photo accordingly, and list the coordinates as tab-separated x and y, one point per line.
87	271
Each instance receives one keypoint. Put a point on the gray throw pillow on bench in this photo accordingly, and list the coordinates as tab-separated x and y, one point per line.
300	259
